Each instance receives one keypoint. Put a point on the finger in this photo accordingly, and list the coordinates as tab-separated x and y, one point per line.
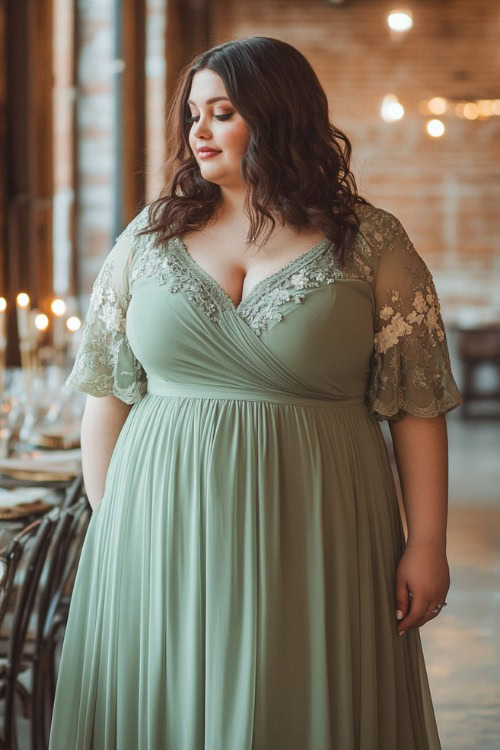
430	614
402	600
419	605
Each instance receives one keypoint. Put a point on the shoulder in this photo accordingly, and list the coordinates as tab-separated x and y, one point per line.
130	245
381	235
380	232
116	267
140	221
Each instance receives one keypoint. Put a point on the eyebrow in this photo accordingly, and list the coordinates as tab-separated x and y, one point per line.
212	100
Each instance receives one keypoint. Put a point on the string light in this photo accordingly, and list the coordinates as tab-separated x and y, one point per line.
400	20
435	128
391	108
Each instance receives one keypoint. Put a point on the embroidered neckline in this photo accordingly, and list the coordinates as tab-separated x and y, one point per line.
261	286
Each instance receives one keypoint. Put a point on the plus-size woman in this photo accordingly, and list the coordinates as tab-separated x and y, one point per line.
240	579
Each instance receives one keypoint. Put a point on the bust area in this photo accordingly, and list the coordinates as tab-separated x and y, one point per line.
237	267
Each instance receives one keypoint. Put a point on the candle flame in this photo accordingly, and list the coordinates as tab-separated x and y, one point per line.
58	306
41	322
73	323
23	299
3	304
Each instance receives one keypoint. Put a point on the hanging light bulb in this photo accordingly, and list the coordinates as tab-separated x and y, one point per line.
435	128
400	21
391	109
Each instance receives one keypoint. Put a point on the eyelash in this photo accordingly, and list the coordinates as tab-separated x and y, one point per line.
223	117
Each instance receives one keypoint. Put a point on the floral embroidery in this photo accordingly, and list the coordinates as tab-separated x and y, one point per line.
95	369
258	309
410	370
171	271
175	269
105	364
425	309
389	335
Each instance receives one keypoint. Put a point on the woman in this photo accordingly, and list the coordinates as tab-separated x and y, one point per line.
241	577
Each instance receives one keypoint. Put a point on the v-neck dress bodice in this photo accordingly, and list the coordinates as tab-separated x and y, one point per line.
235	589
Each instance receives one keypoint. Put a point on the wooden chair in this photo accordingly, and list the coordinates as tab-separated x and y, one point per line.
74	491
53	613
478	347
37	572
21	565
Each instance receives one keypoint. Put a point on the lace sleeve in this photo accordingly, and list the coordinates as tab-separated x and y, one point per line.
411	370
105	364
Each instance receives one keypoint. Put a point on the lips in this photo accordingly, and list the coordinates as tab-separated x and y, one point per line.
208	151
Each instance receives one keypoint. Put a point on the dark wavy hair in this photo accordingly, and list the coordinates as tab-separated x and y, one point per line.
296	163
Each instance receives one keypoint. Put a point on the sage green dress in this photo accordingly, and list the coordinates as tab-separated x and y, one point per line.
236	587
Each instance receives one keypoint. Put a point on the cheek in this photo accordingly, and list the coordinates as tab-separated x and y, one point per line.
236	137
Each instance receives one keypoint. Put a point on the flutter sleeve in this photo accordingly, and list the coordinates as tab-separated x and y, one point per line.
411	371
105	364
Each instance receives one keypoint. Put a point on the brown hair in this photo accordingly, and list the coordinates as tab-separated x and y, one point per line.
296	163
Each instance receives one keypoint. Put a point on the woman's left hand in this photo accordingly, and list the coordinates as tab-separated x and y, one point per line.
422	572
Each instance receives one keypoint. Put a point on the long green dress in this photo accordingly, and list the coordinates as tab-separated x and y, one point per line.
236	587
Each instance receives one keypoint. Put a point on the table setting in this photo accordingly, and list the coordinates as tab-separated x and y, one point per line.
40	451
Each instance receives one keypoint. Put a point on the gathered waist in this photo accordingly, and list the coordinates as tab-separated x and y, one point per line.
230	393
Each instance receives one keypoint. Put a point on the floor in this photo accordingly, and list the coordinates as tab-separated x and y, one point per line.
462	645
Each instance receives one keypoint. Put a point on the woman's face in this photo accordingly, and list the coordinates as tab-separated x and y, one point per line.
216	125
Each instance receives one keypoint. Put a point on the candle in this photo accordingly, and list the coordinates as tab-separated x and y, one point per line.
23	306
3	323
3	341
73	325
33	331
41	323
58	307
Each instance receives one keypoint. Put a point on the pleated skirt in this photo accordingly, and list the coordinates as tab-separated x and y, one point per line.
236	588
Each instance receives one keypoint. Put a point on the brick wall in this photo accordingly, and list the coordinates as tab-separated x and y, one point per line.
446	191
95	127
94	137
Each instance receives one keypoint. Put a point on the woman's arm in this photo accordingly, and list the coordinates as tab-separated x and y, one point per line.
421	453
102	421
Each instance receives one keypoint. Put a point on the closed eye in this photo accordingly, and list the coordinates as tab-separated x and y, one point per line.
219	117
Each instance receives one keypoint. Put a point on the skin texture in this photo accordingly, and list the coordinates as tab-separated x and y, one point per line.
421	452
221	249
102	421
230	135
420	444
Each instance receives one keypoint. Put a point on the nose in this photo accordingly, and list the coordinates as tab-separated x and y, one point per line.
201	128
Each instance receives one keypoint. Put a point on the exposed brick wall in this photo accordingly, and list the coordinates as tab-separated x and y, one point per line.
94	134
95	127
446	191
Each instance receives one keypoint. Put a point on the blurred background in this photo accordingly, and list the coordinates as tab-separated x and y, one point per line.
84	86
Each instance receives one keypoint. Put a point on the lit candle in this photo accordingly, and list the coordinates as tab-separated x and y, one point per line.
40	325
33	332
41	322
23	306
3	323
58	307
74	325
3	342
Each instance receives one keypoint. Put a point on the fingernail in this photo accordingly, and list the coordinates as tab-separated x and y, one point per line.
399	614
402	632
